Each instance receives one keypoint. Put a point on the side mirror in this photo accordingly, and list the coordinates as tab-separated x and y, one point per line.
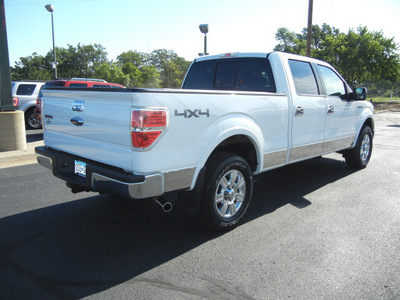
359	94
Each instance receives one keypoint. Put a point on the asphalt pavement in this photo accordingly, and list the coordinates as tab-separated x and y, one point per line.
314	230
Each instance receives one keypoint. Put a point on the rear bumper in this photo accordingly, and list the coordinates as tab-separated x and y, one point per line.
99	177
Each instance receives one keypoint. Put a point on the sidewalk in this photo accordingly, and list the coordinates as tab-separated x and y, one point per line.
16	158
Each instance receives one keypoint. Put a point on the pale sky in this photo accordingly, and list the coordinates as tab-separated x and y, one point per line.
234	26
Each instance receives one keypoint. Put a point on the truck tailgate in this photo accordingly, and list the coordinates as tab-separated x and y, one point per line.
90	123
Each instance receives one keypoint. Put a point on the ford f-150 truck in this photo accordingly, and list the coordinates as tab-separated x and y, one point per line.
237	115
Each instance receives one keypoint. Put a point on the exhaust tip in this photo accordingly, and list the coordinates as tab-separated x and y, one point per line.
165	205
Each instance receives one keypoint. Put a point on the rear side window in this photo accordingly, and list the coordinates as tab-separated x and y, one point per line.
304	78
26	89
77	85
255	75
100	86
243	74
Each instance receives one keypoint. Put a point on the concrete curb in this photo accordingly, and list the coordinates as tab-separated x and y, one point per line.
16	158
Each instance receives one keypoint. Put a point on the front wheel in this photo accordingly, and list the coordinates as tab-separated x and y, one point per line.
359	156
227	191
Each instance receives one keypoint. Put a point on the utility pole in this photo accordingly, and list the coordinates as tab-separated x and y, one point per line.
5	77
309	27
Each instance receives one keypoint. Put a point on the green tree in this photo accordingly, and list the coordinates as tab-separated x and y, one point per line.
136	58
111	72
289	42
34	67
136	66
79	61
172	75
359	55
160	68
150	77
172	67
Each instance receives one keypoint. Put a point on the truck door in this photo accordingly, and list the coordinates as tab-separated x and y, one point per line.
309	111
340	125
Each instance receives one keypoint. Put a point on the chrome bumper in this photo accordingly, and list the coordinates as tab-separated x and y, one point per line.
100	177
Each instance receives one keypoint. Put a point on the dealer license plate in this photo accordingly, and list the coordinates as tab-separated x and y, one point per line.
80	168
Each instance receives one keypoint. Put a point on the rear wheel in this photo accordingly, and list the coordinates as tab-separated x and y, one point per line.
31	122
359	156
227	191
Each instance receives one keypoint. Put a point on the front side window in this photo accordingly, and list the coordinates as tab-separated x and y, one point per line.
333	84
304	78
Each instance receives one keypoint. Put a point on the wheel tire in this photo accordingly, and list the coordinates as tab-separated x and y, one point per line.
227	191
359	156
31	122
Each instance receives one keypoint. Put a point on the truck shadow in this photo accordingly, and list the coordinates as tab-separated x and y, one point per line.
82	247
289	185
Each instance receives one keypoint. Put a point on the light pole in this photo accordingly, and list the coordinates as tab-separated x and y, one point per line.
204	29
309	28
50	8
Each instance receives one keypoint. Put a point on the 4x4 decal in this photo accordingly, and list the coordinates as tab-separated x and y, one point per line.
188	113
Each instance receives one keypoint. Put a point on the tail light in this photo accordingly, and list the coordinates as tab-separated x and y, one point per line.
147	126
15	101
39	102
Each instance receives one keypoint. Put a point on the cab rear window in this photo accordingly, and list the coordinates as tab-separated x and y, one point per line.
241	74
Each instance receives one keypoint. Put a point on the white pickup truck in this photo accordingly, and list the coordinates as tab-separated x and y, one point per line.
237	115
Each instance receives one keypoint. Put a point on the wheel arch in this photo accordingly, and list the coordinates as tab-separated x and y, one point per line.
369	122
241	145
240	141
365	119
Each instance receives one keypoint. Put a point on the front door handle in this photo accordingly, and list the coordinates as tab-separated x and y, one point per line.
299	111
331	109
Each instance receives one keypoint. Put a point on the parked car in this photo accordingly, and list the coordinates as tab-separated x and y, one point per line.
82	82
72	83
24	95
